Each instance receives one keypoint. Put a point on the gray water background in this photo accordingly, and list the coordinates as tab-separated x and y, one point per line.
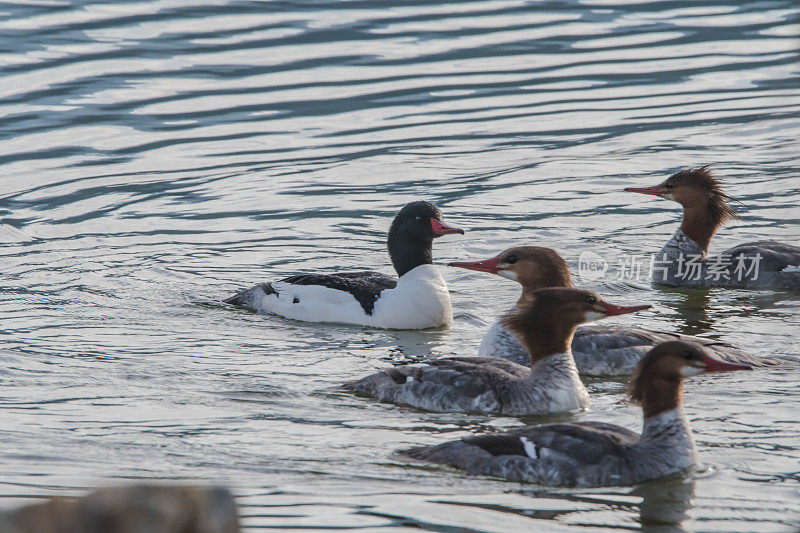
163	154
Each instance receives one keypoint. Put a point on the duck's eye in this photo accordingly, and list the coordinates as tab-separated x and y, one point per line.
511	259
687	355
591	300
418	219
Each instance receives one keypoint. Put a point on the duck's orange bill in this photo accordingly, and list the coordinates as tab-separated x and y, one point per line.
715	365
611	310
488	265
655	190
440	228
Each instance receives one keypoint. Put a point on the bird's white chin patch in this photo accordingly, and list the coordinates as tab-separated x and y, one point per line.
689	371
594	315
507	274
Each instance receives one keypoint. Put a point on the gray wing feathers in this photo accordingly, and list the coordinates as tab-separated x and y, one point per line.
621	347
455	384
615	350
778	265
578	454
441	385
775	256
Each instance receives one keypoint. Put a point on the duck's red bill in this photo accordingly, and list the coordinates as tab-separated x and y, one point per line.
611	309
655	190
440	228
716	365
488	265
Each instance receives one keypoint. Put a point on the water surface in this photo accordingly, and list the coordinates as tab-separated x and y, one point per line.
162	154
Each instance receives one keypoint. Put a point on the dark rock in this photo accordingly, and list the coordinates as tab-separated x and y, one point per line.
134	509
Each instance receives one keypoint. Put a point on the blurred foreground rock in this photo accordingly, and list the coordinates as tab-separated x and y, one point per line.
134	509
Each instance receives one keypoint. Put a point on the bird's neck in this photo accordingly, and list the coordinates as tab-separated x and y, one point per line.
670	426
702	220
546	338
661	395
407	254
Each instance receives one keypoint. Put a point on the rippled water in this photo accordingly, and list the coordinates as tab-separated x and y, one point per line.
162	154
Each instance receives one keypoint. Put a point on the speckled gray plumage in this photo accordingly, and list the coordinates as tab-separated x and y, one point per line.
580	454
480	385
776	258
610	350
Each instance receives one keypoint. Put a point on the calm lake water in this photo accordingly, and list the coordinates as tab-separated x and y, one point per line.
163	154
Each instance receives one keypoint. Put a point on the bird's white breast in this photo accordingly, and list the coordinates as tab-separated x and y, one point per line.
420	300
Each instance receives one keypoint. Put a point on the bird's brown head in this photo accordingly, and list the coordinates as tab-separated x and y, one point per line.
656	381
533	267
705	205
546	322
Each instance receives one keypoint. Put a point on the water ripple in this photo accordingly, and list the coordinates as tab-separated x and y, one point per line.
158	155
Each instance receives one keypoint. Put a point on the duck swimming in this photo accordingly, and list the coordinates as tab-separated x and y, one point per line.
684	260
418	298
597	349
596	454
548	383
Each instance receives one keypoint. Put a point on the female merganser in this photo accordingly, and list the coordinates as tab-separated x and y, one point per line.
683	260
548	384
595	454
418	299
597	350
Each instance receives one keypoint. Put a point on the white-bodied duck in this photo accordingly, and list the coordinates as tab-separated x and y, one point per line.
417	299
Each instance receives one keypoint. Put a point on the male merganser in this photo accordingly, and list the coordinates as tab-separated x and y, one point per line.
597	349
683	260
596	454
418	299
549	383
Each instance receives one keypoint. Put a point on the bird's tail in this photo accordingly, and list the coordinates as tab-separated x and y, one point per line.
246	297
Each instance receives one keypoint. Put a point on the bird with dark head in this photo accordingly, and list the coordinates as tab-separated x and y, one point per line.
410	239
417	298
